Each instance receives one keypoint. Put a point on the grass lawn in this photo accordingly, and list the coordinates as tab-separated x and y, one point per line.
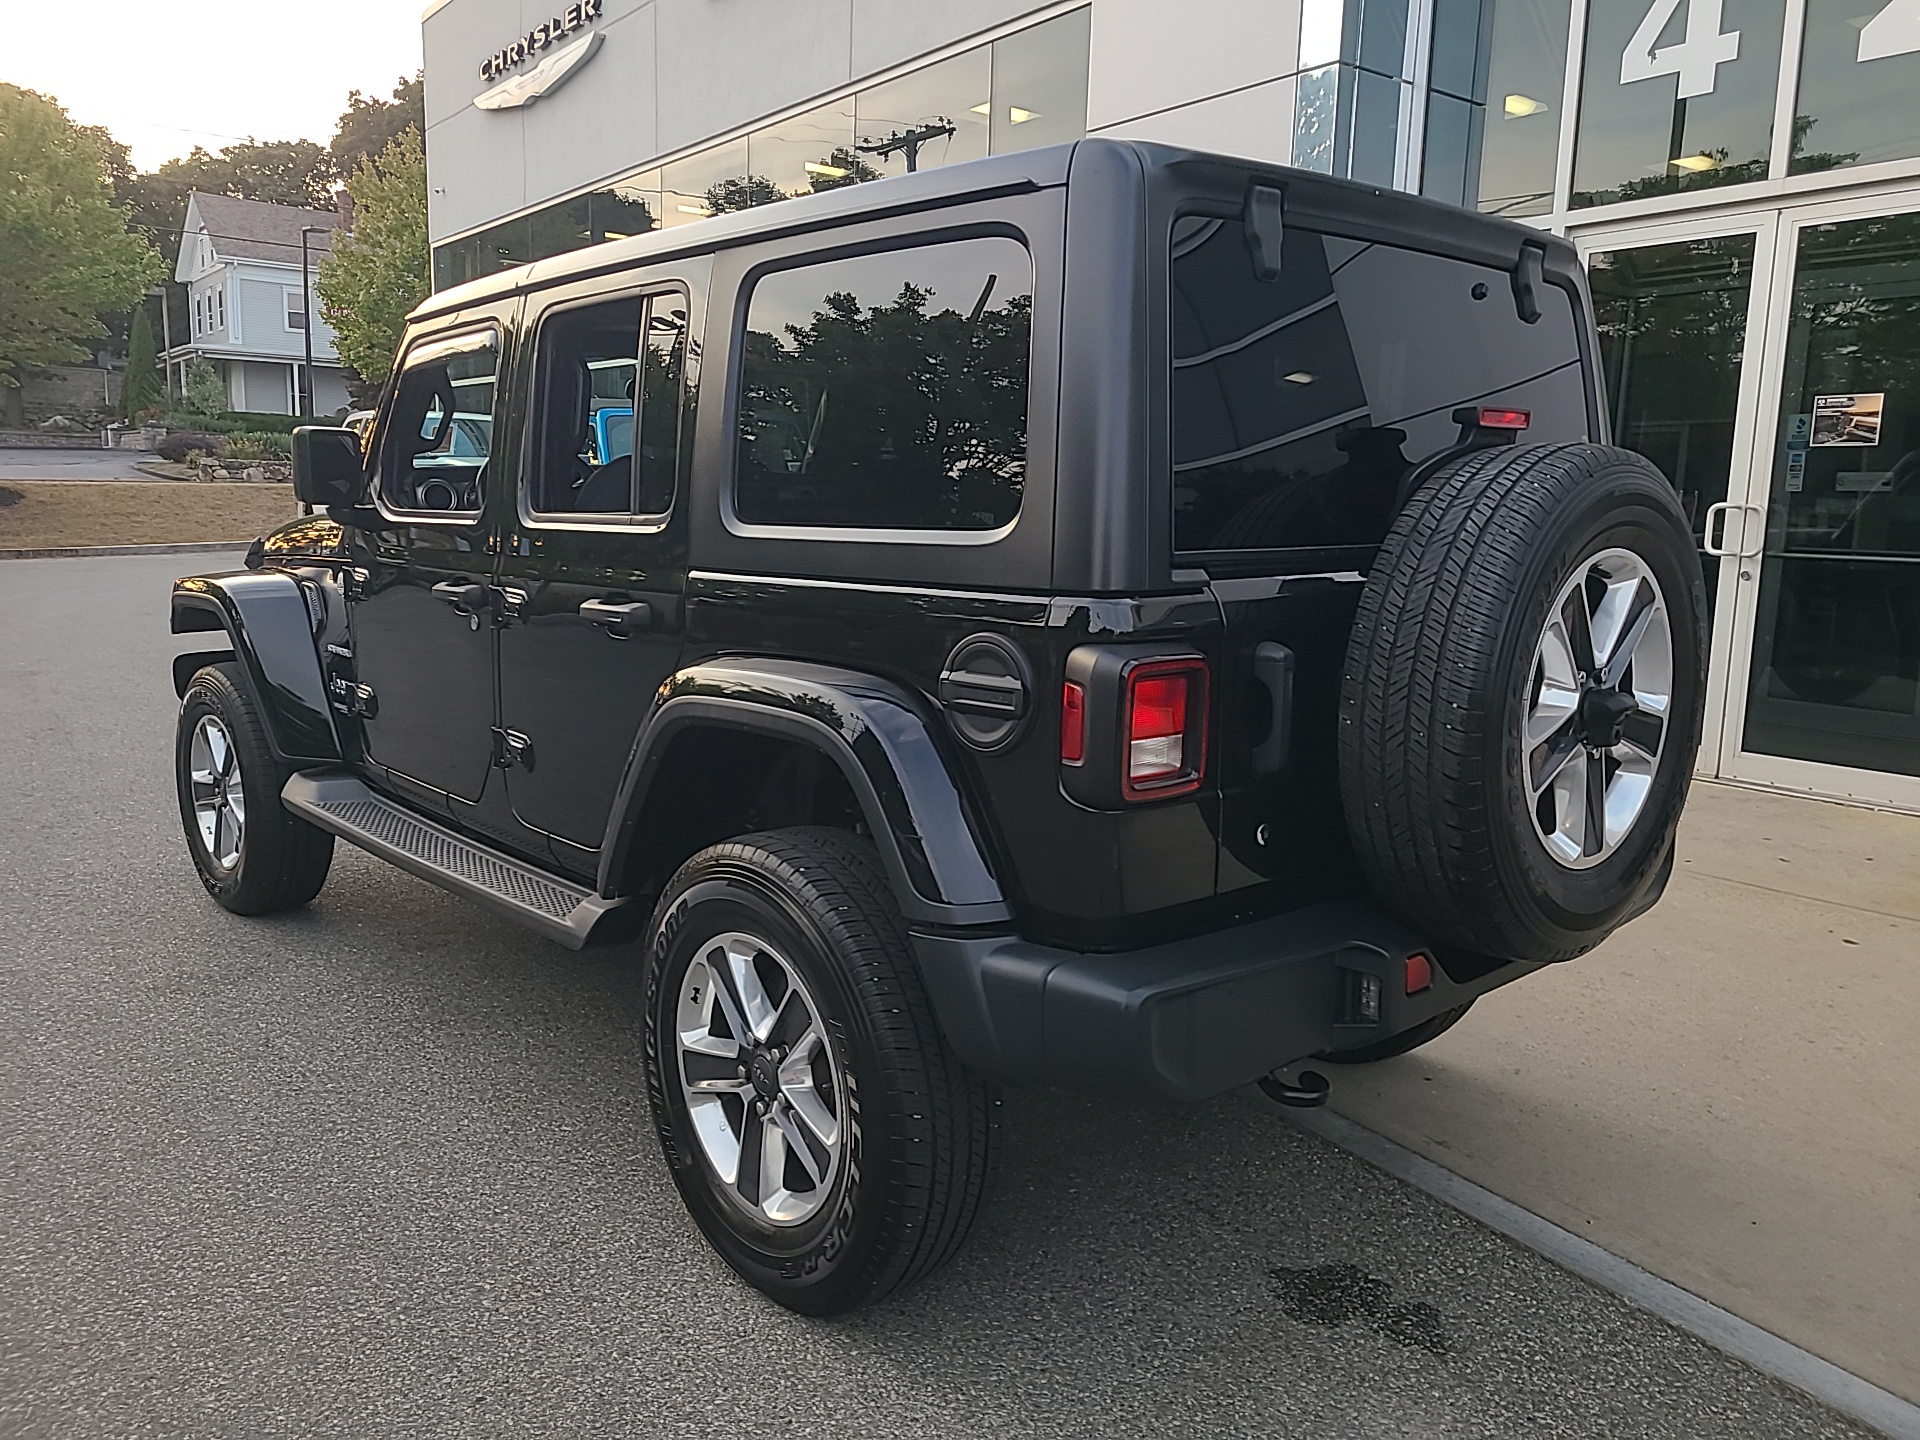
38	513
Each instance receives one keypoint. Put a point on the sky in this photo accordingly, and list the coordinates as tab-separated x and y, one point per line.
166	75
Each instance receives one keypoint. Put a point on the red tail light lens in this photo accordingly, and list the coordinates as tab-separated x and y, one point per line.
1073	724
1496	419
1166	736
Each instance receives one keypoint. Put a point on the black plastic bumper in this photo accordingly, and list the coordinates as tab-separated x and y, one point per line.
1187	1020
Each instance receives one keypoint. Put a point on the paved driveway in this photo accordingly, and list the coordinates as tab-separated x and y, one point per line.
26	464
382	1167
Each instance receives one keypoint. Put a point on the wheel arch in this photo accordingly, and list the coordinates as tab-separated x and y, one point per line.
267	622
873	736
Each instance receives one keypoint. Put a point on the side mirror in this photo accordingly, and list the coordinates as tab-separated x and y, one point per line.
326	466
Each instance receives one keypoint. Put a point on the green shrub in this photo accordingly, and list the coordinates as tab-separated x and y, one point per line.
256	445
178	446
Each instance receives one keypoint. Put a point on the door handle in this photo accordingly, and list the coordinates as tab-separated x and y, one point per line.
621	617
464	596
1739	552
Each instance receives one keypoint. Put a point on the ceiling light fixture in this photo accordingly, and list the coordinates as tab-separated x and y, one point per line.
1298	377
986	109
1518	105
700	210
832	172
1694	163
1019	116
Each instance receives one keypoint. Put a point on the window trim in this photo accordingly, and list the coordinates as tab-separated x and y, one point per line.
735	391
481	335
651	523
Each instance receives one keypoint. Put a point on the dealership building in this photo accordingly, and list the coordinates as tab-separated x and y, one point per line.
1742	178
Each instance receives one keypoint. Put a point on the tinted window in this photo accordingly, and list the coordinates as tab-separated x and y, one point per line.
599	384
440	430
1300	404
888	391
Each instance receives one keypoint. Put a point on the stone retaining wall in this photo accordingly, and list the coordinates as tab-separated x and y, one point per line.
263	472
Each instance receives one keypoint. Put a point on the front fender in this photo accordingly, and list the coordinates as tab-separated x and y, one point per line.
873	732
265	616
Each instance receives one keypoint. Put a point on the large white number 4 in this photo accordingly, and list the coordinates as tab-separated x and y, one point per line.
1695	59
1894	31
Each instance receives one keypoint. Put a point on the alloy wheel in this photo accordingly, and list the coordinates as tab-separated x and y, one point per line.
763	1090
219	798
1597	708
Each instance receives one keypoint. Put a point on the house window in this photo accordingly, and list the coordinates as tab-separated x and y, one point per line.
296	310
220	309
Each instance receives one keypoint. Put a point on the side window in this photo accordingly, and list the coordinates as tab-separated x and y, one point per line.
888	391
1300	404
440	429
608	373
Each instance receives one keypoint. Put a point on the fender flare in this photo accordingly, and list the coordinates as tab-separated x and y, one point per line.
873	732
265	616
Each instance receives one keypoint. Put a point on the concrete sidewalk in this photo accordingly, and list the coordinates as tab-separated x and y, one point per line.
1727	1093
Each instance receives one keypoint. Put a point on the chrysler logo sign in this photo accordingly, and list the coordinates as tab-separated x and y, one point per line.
541	36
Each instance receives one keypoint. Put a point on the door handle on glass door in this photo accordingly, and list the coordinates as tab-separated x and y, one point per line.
1740	551
621	617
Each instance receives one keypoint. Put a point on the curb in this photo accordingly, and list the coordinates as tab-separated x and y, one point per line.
1842	1390
69	552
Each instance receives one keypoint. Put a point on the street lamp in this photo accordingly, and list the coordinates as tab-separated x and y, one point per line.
306	316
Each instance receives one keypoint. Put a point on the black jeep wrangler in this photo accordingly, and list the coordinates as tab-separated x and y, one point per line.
1109	617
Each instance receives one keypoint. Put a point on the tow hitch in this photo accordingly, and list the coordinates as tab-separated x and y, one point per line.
1309	1091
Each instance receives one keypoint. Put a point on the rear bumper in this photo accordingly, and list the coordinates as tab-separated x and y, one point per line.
1188	1020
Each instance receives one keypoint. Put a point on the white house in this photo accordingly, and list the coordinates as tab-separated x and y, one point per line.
240	262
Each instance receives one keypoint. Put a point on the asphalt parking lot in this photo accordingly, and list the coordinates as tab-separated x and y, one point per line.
383	1168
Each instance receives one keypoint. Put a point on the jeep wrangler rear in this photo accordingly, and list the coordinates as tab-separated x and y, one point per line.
1107	617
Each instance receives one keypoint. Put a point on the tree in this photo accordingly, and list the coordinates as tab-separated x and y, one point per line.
68	256
203	394
379	272
142	390
369	125
743	192
846	159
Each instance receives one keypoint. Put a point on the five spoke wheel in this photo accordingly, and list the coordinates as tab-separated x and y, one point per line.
219	798
762	1087
1597	707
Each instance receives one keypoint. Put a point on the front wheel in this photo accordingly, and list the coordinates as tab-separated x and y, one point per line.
823	1136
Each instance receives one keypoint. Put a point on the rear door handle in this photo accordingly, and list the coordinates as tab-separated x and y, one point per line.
621	617
464	596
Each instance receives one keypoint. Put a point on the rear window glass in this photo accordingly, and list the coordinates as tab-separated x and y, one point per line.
1299	405
888	391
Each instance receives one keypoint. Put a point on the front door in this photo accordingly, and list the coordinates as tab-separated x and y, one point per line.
1826	680
422	630
593	573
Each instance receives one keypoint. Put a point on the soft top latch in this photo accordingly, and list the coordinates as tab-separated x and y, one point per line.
1265	230
1529	274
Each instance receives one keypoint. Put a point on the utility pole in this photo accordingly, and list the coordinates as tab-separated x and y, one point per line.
908	142
306	316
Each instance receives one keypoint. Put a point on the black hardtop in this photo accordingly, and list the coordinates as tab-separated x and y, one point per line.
1173	177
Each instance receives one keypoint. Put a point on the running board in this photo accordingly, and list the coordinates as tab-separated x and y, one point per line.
338	802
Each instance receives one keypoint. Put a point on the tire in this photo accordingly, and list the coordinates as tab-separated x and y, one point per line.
1412	1038
1451	667
256	858
898	1133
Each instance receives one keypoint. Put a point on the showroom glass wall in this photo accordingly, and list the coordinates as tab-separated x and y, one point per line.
1018	92
1579	104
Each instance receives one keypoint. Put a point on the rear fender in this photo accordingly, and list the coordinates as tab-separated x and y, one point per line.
265	618
873	732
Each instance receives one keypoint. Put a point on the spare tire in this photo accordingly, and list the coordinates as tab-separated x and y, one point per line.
1522	699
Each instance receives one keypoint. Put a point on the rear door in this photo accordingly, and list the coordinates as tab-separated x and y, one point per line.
1301	408
593	574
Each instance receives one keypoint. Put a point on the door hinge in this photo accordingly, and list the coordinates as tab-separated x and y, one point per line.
511	748
509	605
352	699
354	582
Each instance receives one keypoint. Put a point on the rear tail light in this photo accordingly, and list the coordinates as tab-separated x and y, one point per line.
1073	724
1494	418
1165	749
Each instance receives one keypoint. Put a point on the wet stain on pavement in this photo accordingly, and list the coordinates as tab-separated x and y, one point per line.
1333	1296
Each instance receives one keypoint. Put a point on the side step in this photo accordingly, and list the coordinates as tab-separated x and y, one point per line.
557	909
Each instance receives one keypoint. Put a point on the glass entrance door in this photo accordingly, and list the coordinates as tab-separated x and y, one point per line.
1827	629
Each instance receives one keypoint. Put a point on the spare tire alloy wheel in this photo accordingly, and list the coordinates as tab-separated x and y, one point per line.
763	1089
1597	707
219	793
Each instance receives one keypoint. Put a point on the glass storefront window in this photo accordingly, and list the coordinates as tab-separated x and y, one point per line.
935	116
559	228
1836	649
626	207
1673	330
1676	95
691	187
1858	76
1526	80
1040	84
810	152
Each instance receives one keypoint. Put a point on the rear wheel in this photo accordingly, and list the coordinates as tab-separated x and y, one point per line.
1523	699
252	856
823	1136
